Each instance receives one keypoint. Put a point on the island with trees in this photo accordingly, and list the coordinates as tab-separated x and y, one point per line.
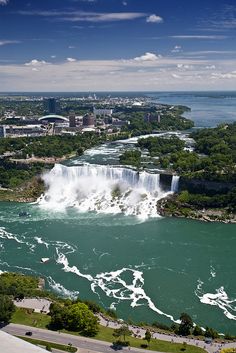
207	172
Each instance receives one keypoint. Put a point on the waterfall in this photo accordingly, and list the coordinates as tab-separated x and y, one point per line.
102	189
175	183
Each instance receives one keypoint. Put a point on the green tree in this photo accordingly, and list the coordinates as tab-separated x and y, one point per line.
185	325
210	332
148	336
122	331
197	331
78	317
7	308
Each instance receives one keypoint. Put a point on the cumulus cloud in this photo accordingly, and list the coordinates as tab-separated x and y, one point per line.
148	72
36	62
147	57
154	19
71	60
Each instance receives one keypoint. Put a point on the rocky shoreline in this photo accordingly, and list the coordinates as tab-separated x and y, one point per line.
170	207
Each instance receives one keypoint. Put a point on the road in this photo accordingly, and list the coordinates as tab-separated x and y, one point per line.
87	345
84	344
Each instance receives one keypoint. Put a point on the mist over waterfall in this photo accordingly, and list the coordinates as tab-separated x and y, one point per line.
102	189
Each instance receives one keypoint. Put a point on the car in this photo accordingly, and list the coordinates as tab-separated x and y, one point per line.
28	333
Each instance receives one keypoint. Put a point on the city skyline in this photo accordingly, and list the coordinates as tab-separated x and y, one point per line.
117	45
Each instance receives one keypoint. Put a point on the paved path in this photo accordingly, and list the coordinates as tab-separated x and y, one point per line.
211	348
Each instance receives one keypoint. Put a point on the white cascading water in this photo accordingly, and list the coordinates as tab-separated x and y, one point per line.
175	183
102	189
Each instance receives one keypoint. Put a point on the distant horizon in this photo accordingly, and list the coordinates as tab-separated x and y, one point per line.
131	91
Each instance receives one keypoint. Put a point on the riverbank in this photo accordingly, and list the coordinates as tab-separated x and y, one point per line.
28	192
171	207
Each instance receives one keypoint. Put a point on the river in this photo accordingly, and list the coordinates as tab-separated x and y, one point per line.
116	250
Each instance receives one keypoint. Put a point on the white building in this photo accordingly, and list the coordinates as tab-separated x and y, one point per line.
102	112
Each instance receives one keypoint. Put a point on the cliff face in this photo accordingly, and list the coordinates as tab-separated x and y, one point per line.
197	186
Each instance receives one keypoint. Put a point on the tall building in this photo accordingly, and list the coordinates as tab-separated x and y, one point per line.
2	131
51	106
88	120
72	120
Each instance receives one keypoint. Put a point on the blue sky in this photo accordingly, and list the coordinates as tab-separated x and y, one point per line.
86	45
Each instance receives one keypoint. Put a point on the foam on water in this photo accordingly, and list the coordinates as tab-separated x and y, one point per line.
40	241
220	299
59	288
9	236
102	189
114	286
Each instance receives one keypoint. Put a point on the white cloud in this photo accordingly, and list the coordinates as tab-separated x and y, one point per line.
176	49
148	57
78	16
4	2
184	66
150	73
227	75
71	60
5	42
71	47
36	62
154	19
124	3
53	56
199	36
175	75
210	67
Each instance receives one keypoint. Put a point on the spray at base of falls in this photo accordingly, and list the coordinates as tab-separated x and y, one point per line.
102	189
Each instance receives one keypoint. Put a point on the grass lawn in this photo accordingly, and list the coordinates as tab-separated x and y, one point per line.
26	317
29	318
62	347
105	334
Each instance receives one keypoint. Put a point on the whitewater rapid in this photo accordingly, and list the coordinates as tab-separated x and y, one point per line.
103	189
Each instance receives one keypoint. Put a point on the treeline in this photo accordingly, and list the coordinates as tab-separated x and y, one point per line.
218	146
213	159
13	174
169	122
158	146
200	201
132	158
49	146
